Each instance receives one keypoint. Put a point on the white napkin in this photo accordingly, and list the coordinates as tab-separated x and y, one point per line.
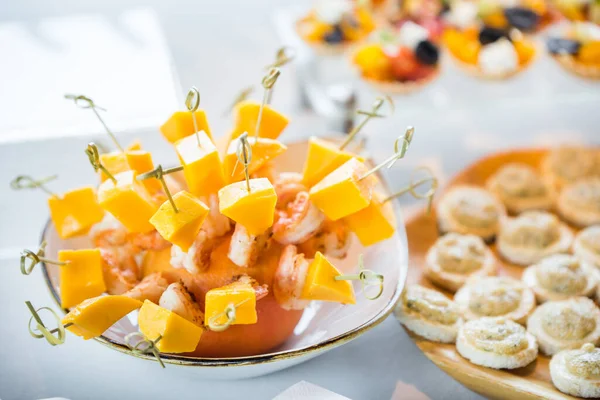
307	391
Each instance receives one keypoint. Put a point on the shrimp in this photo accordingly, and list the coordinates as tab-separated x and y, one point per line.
172	184
299	222
287	185
110	233
333	240
244	248
177	299
150	288
197	258
120	271
266	171
289	279
261	291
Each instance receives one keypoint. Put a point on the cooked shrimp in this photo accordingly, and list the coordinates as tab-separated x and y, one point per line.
110	233
197	258
120	270
260	290
244	248
287	185
215	224
333	240
299	222
289	279
150	288
266	171
177	299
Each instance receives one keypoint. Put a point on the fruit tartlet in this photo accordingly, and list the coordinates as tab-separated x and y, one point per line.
399	63
578	51
427	13
332	25
525	15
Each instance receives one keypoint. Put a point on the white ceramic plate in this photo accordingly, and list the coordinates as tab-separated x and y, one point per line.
322	327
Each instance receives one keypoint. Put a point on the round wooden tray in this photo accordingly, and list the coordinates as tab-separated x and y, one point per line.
530	382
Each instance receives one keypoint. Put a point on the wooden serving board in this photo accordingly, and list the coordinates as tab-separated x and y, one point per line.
530	382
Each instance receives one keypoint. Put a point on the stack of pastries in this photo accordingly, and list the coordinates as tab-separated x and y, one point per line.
545	219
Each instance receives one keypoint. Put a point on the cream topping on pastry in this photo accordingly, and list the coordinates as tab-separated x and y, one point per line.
577	372
590	238
492	297
562	273
496	335
532	229
568	322
584	362
570	163
583	195
462	254
431	305
498	58
519	180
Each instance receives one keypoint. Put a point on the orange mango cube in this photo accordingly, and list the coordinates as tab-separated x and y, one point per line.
128	201
374	223
263	151
81	278
320	283
246	116
140	161
201	164
115	162
95	315
180	228
178	335
322	159
181	125
342	192
75	212
241	295
255	209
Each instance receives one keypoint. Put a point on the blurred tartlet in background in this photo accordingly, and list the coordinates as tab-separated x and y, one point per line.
401	61
578	49
579	10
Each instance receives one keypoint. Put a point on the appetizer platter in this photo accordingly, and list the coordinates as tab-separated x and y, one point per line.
238	257
504	272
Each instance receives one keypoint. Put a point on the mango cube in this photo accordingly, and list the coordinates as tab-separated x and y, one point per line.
115	162
263	150
140	161
94	316
322	159
180	228
178	334
81	278
201	164
246	116
75	212
374	223
241	295
128	201
342	192
254	210
181	125
135	145
320	283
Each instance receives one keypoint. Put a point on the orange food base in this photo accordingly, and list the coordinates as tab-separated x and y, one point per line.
274	325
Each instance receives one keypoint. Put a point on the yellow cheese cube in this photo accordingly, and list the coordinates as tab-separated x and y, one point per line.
320	283
374	223
263	150
128	201
342	193
322	159
241	295
140	161
135	145
246	116
81	278
254	210
181	125
178	334
180	228
94	316
201	164
115	162
75	212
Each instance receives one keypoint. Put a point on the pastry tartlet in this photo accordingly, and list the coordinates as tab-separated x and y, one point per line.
335	25
496	343
470	210
533	235
578	50
495	296
521	188
429	314
454	258
579	202
577	372
566	324
401	62
561	276
567	164
587	245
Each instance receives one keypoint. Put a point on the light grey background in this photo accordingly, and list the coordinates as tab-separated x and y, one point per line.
220	46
